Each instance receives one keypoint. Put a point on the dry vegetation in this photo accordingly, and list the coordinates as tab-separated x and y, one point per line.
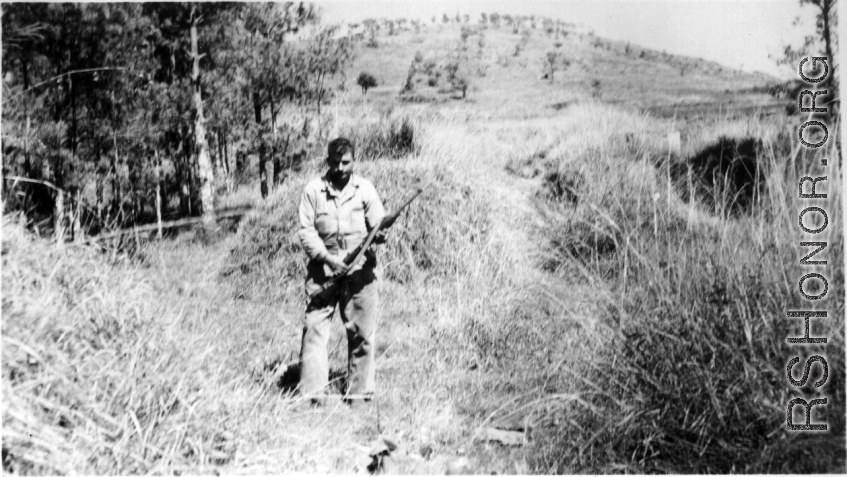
564	269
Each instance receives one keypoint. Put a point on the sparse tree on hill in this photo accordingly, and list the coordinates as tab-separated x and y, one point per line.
494	18
464	34
554	61
372	43
461	84
409	85
451	69
370	23
481	43
547	26
366	81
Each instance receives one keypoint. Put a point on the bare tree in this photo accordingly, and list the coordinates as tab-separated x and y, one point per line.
826	23
204	162
554	61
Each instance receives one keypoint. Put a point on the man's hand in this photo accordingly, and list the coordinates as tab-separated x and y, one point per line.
381	236
336	264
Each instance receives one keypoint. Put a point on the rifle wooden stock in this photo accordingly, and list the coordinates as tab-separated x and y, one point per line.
353	257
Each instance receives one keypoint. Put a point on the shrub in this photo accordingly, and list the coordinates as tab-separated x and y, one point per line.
726	171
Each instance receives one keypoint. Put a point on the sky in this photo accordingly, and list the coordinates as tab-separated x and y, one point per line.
738	34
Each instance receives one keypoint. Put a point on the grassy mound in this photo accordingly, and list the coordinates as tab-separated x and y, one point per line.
431	240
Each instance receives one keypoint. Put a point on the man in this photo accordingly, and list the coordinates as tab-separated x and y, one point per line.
336	213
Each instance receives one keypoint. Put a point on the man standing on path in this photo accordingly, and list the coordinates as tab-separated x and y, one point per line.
336	213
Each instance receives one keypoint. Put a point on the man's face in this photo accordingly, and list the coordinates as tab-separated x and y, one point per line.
340	168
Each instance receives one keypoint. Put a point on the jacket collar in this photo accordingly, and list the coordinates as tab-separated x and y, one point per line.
352	185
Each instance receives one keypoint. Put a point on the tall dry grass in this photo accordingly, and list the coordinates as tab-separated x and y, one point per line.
388	137
98	377
691	377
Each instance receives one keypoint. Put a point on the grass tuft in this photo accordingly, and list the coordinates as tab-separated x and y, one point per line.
390	138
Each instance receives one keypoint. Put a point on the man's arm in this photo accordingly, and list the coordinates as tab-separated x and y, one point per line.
309	237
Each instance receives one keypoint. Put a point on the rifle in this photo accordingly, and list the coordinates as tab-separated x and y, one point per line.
357	253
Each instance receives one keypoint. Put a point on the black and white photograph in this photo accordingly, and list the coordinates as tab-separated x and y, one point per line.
430	238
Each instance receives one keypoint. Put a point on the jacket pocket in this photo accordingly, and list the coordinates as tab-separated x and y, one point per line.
357	219
325	224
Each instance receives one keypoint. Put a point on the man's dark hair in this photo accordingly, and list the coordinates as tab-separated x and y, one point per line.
340	146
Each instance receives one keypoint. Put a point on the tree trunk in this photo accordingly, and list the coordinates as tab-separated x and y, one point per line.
225	150
59	217
229	178
826	6
274	147
72	138
219	157
188	183
117	200
77	228
263	171
99	194
204	163
263	175
27	162
158	177
176	158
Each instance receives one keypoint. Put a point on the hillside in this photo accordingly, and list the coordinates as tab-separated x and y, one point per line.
509	84
560	281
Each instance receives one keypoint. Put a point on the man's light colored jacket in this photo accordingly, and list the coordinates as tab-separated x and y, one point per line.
336	222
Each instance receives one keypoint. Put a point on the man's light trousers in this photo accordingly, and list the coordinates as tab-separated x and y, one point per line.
357	300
